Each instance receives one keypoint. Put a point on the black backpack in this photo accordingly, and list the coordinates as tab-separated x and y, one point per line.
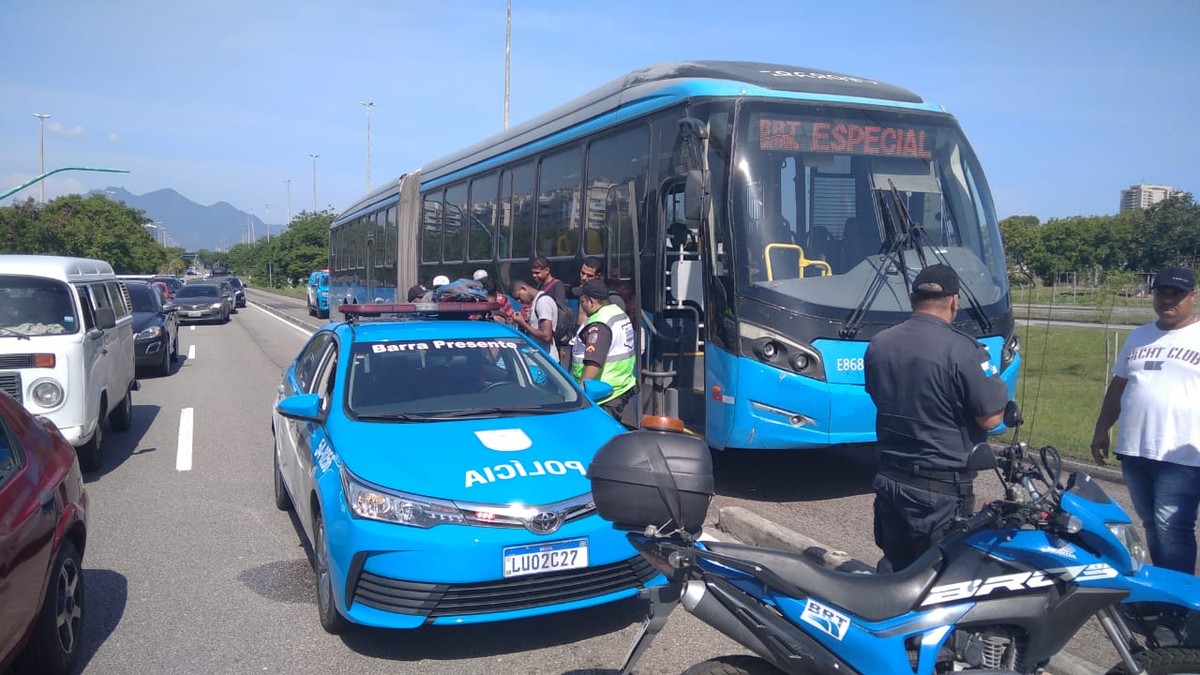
565	326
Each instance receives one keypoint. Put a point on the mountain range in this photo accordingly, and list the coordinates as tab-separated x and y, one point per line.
191	225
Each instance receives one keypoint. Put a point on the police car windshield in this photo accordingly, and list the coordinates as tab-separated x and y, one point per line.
416	380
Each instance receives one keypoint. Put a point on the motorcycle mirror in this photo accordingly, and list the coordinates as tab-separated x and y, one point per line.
1012	415
982	458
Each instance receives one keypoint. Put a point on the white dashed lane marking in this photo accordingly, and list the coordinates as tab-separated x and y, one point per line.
191	352
183	457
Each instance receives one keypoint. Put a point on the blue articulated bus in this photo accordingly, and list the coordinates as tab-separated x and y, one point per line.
762	222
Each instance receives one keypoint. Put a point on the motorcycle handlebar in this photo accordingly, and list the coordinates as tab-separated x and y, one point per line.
985	517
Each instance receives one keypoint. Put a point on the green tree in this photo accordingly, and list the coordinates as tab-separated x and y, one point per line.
1166	234
89	227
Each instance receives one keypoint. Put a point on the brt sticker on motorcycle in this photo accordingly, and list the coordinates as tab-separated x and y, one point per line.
1019	581
825	619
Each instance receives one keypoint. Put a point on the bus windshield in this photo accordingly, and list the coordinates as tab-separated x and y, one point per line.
826	200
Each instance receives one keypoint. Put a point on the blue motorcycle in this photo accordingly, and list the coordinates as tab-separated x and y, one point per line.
1002	594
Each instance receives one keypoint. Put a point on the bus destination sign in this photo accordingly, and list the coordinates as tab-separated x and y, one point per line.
844	137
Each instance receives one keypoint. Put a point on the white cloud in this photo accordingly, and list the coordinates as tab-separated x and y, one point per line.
57	128
113	138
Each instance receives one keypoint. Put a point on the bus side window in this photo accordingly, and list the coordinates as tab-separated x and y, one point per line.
85	301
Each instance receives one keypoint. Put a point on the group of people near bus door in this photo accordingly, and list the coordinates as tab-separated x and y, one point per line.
937	395
601	344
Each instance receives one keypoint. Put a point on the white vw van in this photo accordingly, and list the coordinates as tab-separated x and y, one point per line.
66	346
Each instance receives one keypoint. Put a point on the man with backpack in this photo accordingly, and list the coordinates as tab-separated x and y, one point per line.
543	316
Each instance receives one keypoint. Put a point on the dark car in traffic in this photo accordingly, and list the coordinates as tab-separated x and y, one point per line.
43	529
173	283
201	302
155	329
239	290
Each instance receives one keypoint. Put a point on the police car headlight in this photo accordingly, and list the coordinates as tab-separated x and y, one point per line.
47	393
150	333
370	502
1131	537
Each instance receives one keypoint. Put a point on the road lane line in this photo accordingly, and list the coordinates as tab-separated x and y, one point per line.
191	352
193	327
289	324
183	457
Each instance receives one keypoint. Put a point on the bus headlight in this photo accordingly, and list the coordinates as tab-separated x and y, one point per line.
777	351
1012	348
47	393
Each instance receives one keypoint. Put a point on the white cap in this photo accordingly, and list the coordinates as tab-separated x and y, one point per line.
479	274
441	280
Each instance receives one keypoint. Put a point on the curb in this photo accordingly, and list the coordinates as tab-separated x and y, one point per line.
750	528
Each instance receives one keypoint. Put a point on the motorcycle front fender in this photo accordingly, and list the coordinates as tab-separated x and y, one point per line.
1157	584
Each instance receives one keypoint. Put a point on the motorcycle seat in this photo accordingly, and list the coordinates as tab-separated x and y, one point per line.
873	597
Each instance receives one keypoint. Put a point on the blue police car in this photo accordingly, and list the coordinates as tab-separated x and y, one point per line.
317	294
438	468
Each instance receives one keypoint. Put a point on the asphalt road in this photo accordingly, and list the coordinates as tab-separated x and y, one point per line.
195	571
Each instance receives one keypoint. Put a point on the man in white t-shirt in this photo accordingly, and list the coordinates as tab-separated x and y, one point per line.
1152	398
543	315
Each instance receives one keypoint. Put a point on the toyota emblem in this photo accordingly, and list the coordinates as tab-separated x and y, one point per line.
544	522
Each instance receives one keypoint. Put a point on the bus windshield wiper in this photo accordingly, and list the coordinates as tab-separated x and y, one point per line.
916	234
904	233
898	239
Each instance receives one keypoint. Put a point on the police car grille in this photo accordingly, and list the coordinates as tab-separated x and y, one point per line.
438	600
10	383
16	361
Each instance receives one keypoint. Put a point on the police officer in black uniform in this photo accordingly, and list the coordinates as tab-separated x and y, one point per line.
936	396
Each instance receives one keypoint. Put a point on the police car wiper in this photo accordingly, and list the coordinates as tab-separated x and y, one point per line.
402	417
484	412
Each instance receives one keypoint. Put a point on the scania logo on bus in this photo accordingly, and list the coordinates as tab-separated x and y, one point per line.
544	522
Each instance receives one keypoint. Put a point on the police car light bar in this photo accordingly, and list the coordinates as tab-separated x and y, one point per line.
441	309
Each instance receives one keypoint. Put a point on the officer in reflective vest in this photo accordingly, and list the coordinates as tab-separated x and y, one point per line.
604	348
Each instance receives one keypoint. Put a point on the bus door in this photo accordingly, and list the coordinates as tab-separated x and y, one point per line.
680	335
620	241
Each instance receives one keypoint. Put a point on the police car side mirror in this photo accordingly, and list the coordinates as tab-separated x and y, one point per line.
302	407
1012	415
597	390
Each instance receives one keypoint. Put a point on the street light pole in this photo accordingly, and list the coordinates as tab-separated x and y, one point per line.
42	117
368	105
314	159
288	181
507	58
267	218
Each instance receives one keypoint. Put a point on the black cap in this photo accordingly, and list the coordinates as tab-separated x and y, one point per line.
592	288
936	281
1175	277
416	292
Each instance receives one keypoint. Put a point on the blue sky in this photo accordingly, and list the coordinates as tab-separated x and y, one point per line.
1065	102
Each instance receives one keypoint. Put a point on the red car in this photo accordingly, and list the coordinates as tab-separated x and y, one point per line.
43	529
